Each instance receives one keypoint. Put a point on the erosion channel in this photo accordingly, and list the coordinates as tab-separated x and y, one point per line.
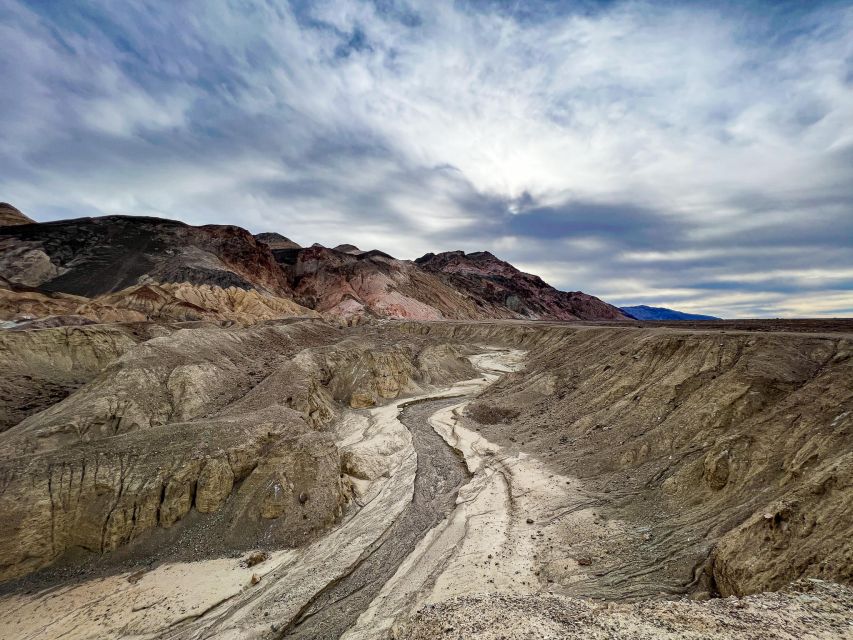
440	473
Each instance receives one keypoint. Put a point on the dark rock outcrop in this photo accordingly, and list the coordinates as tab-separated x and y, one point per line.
96	256
277	241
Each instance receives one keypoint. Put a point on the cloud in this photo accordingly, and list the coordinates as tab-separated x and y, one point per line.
629	149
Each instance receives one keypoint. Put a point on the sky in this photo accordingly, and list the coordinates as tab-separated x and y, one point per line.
695	155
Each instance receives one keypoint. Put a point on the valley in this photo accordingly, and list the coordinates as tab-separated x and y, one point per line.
568	464
209	434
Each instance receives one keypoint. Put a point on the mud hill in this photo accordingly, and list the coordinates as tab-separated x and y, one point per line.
261	475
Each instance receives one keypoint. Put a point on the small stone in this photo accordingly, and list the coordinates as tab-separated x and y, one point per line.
256	557
584	561
530	521
255	578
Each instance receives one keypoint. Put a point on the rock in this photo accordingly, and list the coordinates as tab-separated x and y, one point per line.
276	499
97	256
716	469
361	400
255	579
178	495
9	215
255	558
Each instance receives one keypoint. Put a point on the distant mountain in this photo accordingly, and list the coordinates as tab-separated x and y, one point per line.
644	312
132	268
349	248
491	282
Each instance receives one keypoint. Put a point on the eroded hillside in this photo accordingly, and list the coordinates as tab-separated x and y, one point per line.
727	453
132	434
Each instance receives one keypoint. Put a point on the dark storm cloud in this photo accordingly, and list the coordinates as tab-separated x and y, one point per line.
689	154
622	224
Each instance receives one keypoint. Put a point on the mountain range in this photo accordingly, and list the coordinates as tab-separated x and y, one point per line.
644	312
133	268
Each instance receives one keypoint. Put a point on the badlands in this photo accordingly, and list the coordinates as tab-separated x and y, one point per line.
210	434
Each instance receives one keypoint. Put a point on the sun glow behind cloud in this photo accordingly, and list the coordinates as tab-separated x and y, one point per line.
688	154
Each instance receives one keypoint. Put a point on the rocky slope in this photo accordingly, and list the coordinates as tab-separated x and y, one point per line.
9	215
496	284
135	431
714	462
348	283
554	507
96	256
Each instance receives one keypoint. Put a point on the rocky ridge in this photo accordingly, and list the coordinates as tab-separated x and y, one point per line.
496	284
95	256
128	268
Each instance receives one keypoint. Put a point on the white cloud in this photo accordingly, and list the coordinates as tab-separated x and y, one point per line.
346	123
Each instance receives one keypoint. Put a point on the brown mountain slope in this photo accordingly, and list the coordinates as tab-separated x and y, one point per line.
499	284
9	216
371	283
349	282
